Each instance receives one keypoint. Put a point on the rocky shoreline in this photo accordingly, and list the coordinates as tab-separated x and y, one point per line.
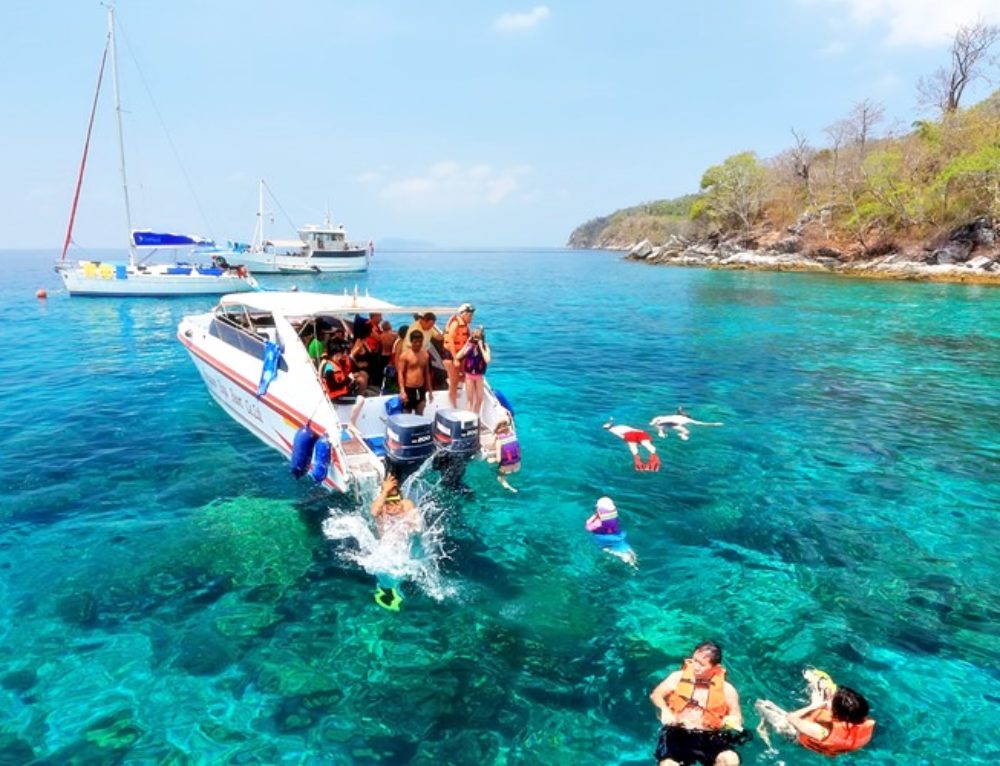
967	254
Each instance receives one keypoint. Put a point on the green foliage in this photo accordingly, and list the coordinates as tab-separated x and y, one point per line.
655	221
942	173
733	193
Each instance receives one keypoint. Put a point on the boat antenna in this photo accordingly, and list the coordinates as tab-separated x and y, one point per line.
86	150
121	138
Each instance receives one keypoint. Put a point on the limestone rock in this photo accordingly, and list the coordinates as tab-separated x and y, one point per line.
642	249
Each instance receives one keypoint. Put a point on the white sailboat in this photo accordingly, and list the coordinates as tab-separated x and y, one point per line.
319	249
211	274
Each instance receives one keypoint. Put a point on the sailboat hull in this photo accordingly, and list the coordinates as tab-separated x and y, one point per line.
109	280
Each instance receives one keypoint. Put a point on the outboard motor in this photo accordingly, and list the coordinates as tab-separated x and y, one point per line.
408	443
456	433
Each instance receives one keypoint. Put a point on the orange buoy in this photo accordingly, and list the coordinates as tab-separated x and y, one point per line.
41	294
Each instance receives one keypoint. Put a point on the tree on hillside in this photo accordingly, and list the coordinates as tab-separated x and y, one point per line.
864	117
969	54
733	193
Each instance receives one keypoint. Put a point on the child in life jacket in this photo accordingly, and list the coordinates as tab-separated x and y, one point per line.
474	357
607	533
508	453
833	723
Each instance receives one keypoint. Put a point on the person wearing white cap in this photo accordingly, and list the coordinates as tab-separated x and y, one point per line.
456	335
607	533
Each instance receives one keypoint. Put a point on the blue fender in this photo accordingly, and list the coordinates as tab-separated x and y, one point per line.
321	459
504	402
302	447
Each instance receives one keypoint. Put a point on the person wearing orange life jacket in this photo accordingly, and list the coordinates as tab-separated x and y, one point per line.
700	713
456	335
335	372
833	723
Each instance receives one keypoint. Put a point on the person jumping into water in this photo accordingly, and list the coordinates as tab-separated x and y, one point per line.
833	723
396	516
678	423
635	438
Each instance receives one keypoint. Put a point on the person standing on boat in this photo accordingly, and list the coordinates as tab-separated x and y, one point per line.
425	323
414	374
456	335
700	712
387	343
474	358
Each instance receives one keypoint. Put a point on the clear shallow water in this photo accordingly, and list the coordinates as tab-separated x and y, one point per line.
167	595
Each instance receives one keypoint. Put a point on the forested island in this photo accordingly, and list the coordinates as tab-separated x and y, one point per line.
922	203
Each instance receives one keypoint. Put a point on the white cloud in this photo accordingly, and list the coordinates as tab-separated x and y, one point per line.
523	21
453	186
834	49
369	177
919	22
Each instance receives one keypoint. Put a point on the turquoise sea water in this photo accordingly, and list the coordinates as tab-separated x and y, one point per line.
167	595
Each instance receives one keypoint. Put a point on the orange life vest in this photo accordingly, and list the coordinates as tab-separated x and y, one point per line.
456	333
843	737
715	708
341	385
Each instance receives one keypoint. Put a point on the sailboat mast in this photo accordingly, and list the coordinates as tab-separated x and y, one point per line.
258	235
121	137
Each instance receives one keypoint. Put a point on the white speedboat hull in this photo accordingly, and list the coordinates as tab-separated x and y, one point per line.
229	357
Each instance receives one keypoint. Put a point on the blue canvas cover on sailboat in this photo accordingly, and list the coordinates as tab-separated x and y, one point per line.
272	355
147	238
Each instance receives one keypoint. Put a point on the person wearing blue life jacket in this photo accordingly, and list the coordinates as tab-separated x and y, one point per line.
508	453
474	357
607	533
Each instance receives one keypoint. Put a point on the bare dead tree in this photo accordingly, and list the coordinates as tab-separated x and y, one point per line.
802	156
864	116
969	53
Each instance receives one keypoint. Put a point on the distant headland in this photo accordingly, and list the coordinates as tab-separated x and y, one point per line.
920	203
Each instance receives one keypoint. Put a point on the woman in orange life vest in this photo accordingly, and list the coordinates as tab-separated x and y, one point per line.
700	713
456	334
833	723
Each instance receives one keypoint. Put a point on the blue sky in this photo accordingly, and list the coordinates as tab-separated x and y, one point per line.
453	123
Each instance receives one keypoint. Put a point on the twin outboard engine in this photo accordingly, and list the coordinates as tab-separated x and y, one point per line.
453	439
456	433
408	443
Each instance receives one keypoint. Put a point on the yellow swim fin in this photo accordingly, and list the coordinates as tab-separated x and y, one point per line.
388	598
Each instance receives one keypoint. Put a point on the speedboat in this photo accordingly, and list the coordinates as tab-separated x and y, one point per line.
319	249
251	352
212	274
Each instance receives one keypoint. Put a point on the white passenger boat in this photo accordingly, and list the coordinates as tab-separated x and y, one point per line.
229	344
318	249
211	272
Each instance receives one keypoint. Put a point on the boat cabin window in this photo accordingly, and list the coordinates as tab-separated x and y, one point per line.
246	331
338	236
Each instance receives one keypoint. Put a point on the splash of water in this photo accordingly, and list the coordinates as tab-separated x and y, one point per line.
399	554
